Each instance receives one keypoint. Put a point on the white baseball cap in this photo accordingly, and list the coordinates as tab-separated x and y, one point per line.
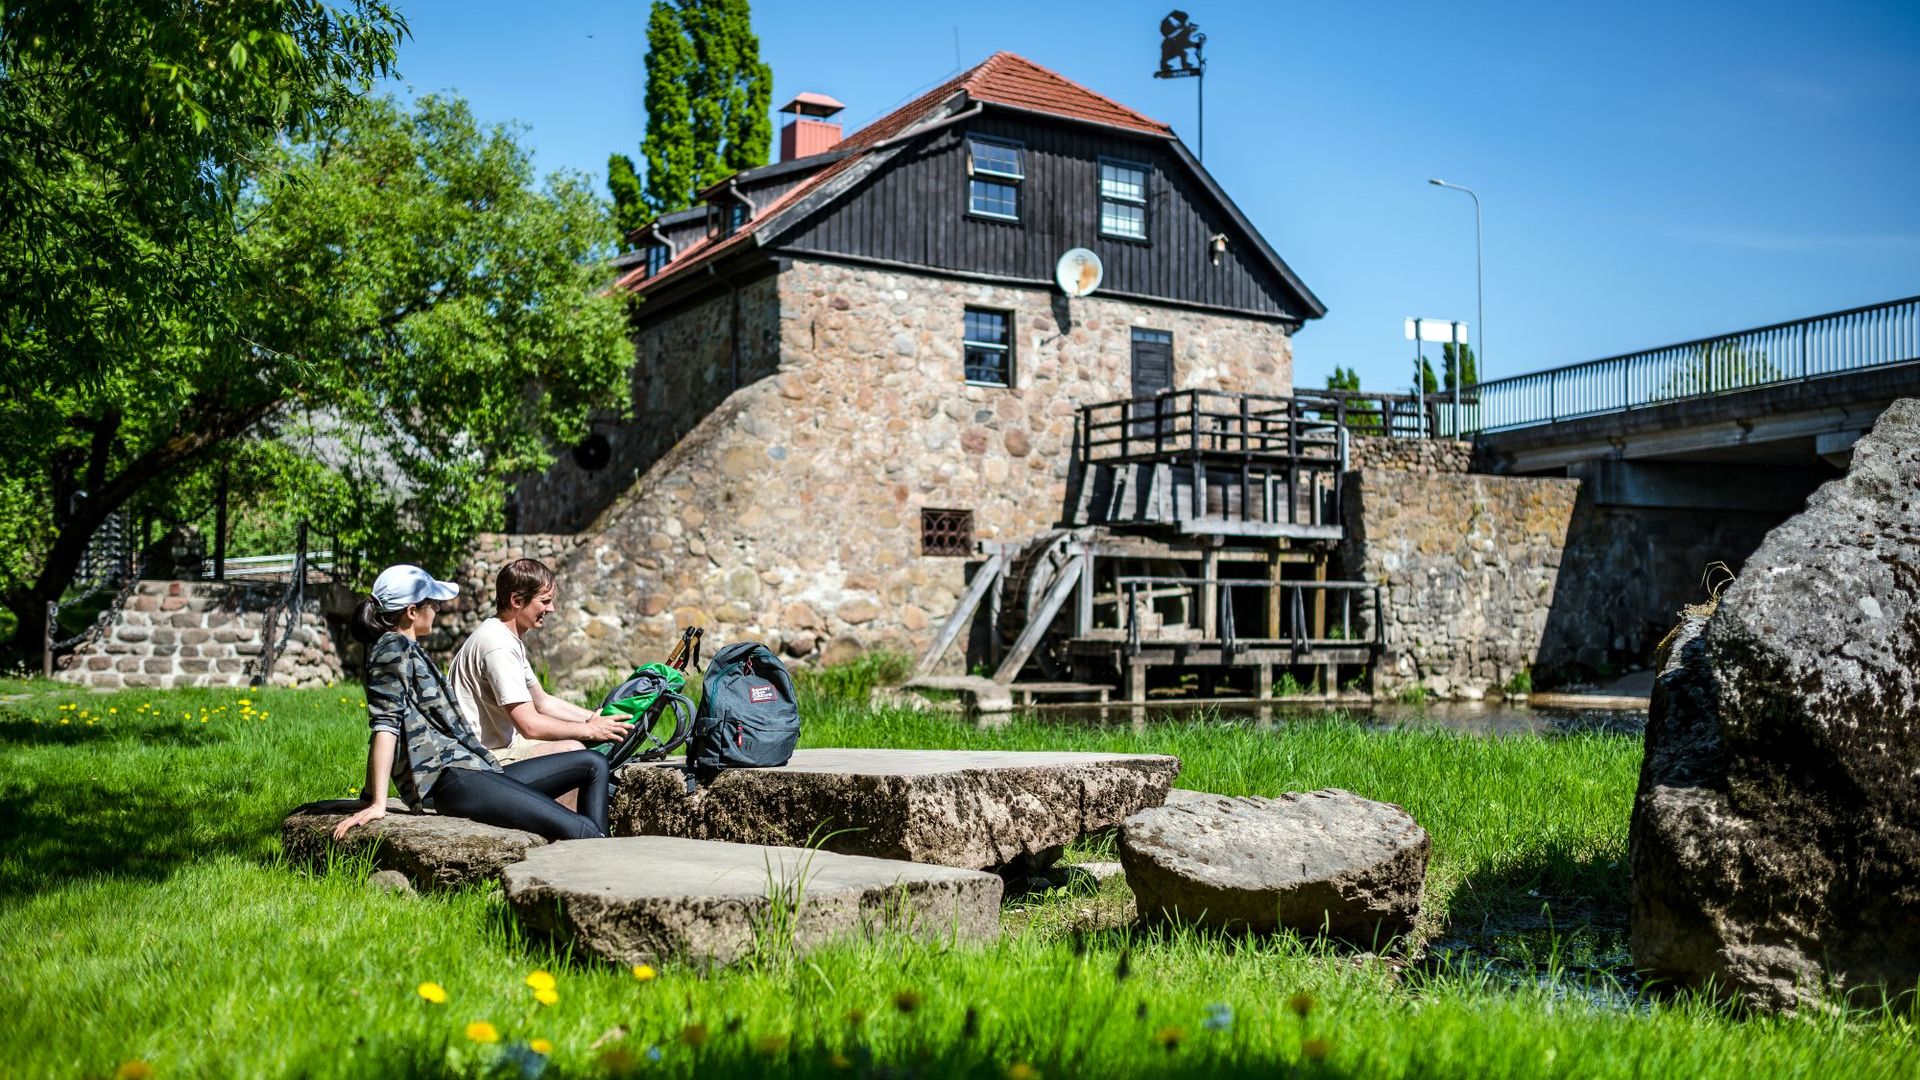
405	584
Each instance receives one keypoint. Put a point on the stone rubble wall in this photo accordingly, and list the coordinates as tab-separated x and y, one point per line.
683	368
790	514
1467	567
475	576
1430	456
200	633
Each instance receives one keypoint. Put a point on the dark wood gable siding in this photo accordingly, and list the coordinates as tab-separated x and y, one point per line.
913	211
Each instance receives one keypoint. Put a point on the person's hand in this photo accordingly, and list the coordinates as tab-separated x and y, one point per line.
372	812
604	729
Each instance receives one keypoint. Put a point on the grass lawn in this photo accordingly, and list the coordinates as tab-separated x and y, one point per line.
144	918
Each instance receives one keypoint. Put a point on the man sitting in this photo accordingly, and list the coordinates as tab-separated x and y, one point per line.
501	700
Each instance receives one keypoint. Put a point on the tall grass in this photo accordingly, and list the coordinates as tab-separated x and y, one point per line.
144	916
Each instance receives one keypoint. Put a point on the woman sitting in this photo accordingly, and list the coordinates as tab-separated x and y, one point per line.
420	739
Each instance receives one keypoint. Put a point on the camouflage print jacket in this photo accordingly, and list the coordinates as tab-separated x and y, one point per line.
407	696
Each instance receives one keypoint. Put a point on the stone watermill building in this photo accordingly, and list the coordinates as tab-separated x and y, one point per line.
858	388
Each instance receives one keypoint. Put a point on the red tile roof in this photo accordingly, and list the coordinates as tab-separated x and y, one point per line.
1014	80
1003	79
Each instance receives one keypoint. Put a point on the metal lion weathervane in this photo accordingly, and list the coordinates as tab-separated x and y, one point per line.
1180	58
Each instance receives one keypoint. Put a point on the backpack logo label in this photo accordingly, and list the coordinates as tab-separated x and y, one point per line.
759	695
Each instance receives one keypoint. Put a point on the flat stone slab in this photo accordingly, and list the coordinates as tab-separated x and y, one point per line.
976	809
1319	861
433	851
644	899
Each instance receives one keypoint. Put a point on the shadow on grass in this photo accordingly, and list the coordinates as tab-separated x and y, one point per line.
17	730
725	1048
1571	886
54	832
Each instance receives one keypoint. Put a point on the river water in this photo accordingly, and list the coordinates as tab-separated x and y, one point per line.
1470	717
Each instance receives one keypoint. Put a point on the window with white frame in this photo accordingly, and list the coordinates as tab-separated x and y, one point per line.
988	344
1123	199
994	176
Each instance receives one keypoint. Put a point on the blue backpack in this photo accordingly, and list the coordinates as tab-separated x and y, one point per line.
748	717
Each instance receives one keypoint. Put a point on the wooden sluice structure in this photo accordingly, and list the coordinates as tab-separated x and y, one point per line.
1193	553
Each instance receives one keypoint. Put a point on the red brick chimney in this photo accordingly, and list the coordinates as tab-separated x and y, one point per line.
808	131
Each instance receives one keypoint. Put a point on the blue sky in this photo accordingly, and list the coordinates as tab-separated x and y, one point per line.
1650	172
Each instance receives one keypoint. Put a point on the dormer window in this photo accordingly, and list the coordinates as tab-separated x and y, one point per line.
736	217
994	177
657	258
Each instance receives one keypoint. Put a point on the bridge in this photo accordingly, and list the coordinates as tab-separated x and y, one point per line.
1793	394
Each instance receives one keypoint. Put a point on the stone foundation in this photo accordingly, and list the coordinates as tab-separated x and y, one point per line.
200	633
1467	567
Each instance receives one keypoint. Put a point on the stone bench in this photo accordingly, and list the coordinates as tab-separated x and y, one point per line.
976	809
433	851
644	899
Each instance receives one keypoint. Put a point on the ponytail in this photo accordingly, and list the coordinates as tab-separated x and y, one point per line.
369	622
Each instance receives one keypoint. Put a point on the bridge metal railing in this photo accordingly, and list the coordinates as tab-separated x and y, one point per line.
1877	335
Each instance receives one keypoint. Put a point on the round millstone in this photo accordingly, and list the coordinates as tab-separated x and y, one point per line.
1317	861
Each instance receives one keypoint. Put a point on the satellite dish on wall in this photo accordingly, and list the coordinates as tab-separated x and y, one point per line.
1079	272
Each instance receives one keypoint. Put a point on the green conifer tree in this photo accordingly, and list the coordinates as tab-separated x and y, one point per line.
668	148
629	200
1447	365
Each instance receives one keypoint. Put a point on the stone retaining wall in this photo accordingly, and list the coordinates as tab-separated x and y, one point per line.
1467	567
200	633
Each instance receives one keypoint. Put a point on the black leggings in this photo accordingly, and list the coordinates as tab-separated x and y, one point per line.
521	796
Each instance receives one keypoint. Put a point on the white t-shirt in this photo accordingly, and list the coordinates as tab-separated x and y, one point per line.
490	676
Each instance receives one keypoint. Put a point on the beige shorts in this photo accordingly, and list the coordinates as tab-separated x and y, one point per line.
520	750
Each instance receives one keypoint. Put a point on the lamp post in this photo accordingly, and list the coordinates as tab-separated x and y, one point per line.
1479	293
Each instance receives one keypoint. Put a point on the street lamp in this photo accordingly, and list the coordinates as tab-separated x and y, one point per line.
1480	296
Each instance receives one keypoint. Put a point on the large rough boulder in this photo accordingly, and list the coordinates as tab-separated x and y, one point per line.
1323	860
1776	831
977	809
434	851
643	899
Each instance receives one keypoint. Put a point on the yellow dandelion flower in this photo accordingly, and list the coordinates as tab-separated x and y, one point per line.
433	992
770	1045
133	1070
113	708
1315	1049
547	997
543	1047
264	714
645	973
541	980
482	1032
1020	1070
64	720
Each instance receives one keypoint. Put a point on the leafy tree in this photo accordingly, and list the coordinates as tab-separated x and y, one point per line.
1447	361
629	202
668	148
125	130
414	323
732	89
1718	365
1362	415
707	100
